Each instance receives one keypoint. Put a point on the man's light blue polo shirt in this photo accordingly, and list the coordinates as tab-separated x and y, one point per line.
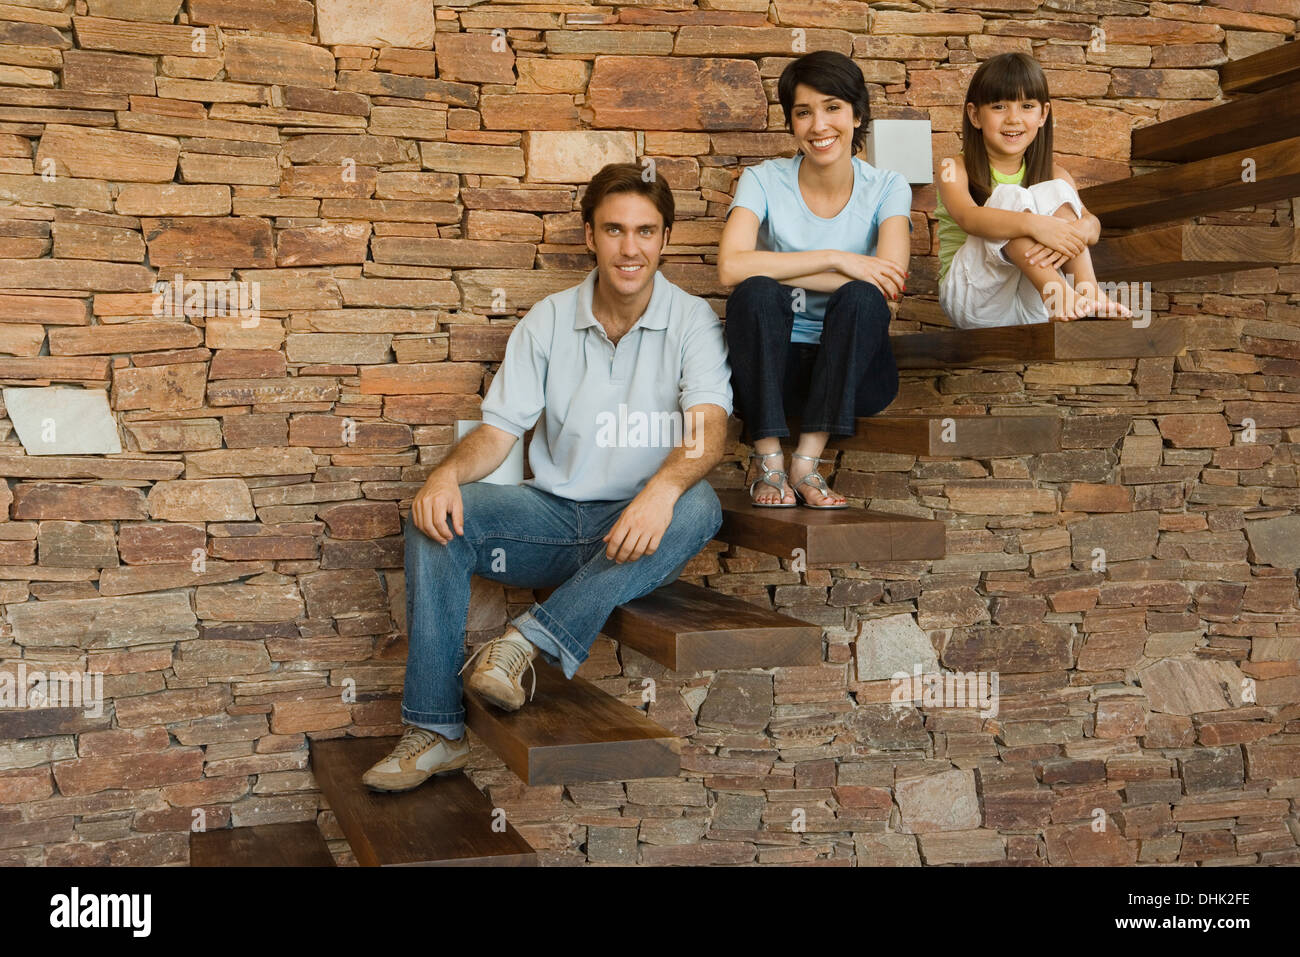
771	191
607	416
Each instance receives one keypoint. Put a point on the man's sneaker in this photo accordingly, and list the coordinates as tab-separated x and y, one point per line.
418	756
498	676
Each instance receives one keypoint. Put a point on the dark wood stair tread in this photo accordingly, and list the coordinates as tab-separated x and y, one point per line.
972	436
1249	121
1179	252
297	844
689	628
445	821
1040	342
1210	185
1269	68
571	731
830	536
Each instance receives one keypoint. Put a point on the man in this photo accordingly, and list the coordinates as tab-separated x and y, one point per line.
615	509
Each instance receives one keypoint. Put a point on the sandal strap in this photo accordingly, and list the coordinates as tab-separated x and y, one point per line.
810	458
816	480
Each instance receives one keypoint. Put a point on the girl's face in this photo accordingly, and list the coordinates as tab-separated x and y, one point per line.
822	125
1009	126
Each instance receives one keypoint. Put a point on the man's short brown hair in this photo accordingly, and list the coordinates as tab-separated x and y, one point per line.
627	178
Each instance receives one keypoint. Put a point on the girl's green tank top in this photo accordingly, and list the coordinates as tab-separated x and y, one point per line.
951	236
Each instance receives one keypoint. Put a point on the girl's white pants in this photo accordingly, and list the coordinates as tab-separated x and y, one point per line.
982	288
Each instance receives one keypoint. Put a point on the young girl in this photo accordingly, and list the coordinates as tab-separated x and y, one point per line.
814	244
1010	218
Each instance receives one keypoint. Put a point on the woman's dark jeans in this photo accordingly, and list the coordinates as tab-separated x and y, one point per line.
850	373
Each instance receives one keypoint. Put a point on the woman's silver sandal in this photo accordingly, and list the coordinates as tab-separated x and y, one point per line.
767	479
814	479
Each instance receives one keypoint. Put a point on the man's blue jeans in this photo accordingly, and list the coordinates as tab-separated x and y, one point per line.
529	538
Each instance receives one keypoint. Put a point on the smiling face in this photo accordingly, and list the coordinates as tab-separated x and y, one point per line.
628	236
1008	126
822	125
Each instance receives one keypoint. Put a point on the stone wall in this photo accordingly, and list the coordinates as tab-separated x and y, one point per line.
398	183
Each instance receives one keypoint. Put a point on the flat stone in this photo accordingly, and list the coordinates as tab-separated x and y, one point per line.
201	500
738	701
887	646
56	420
1175	686
938	802
376	23
104	622
1273	541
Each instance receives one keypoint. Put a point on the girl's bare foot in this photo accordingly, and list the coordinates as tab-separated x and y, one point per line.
765	492
1101	305
1063	303
798	469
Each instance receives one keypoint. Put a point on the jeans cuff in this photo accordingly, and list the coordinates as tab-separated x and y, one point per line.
545	631
435	721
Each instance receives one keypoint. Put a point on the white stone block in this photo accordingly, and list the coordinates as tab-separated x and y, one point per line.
902	145
58	420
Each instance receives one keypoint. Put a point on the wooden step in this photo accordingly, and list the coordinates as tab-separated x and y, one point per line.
1209	185
688	628
1250	121
834	535
957	436
571	731
299	844
445	821
1179	252
1040	342
1276	66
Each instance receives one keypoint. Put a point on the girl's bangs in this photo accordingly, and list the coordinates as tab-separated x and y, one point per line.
1011	80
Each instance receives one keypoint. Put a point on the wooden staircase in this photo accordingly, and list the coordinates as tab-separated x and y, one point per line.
573	732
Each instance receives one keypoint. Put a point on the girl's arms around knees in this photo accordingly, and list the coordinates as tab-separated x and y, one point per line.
1049	232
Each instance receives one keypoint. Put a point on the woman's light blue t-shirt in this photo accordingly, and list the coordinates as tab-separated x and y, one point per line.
771	190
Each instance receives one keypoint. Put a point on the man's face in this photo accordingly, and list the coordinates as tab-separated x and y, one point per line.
627	235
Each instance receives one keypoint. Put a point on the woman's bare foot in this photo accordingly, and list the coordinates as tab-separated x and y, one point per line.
765	493
814	496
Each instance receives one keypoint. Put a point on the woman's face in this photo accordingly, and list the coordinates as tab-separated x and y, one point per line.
822	125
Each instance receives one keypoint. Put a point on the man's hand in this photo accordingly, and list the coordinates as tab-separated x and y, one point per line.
642	524
439	495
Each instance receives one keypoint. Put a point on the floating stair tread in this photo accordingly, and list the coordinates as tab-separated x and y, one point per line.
689	628
298	844
1250	121
571	731
1040	342
1179	252
445	821
1210	185
833	535
962	436
1276	66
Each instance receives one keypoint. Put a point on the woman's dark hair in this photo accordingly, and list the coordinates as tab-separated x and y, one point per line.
831	74
1007	76
628	178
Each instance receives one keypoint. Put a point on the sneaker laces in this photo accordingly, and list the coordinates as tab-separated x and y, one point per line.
505	653
413	742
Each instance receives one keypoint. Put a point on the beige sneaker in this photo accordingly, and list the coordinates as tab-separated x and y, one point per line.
418	756
498	676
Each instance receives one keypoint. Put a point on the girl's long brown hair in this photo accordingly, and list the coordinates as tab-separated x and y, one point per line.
1007	76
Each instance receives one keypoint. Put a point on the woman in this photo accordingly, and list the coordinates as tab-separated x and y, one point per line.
814	244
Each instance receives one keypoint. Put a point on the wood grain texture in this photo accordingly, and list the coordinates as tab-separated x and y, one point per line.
445	821
688	628
1210	185
571	731
299	844
834	535
1270	68
1250	121
1179	252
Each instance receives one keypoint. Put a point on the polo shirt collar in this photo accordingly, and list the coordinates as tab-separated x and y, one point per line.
656	310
